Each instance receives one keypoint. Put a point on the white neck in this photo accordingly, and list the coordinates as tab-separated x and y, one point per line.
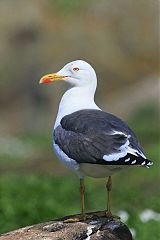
75	99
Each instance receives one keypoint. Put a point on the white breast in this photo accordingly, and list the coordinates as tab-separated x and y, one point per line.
73	100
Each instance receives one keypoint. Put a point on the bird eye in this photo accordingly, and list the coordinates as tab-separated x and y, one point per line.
76	69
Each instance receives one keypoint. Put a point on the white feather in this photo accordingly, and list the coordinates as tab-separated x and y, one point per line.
116	156
65	159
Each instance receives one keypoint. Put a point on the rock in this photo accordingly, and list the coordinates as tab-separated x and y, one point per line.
98	228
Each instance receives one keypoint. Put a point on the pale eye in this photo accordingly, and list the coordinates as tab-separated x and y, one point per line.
76	69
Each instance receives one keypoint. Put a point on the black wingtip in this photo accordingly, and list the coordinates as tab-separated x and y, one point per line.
147	163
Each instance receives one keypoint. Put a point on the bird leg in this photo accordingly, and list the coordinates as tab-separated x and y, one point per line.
82	216
82	190
109	187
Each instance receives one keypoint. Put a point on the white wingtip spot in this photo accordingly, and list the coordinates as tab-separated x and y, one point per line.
133	162
150	163
143	163
127	160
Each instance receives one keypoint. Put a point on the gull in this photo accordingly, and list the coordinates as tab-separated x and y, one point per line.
90	141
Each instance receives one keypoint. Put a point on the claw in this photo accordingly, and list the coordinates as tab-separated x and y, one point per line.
77	218
89	216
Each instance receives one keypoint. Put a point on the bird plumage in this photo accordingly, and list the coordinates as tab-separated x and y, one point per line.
97	137
88	140
83	133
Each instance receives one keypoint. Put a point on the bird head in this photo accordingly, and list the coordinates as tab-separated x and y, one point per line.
76	73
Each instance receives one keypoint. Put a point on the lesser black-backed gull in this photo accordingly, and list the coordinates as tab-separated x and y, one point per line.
90	141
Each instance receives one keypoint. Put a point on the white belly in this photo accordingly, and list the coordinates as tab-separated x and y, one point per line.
86	169
65	159
98	171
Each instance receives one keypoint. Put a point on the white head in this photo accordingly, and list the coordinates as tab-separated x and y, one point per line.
77	73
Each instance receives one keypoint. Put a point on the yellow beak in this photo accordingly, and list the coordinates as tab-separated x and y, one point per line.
50	78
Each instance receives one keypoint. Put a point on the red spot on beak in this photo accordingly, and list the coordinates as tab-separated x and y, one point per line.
47	80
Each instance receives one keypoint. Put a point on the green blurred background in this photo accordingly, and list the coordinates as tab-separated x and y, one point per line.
120	39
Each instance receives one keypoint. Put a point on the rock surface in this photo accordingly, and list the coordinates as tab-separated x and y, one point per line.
98	228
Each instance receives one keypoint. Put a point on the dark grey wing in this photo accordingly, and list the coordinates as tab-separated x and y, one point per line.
97	137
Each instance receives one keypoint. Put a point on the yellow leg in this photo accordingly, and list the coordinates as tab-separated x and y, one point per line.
82	216
109	187
82	190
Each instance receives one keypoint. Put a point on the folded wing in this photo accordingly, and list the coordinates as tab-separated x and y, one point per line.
97	137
